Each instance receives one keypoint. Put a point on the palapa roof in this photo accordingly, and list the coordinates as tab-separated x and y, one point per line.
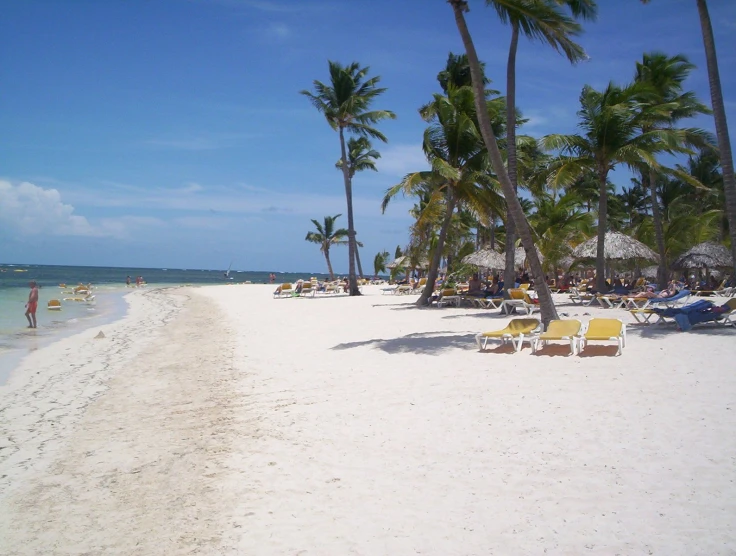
617	246
404	261
706	254
486	258
650	272
520	256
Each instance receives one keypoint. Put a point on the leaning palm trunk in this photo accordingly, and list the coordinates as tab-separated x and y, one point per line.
434	264
353	282
658	229
329	264
719	113
546	304
509	274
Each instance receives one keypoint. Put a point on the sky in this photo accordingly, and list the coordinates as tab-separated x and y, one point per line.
171	133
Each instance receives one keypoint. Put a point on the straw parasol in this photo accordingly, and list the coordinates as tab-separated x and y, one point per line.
520	256
617	246
650	272
486	258
707	254
404	261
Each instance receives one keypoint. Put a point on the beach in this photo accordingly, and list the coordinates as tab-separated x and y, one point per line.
218	420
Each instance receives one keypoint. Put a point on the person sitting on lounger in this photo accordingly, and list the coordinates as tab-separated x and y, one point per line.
650	293
475	287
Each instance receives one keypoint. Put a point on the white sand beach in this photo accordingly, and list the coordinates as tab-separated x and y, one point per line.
218	420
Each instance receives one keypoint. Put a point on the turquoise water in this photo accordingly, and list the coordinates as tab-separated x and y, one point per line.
109	287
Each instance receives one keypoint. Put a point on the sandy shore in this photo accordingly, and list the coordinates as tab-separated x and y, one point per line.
218	420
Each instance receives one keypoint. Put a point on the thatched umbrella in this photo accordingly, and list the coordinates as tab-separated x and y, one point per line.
705	255
520	256
486	258
617	246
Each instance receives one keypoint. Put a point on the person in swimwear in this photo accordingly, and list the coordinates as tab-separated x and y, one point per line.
32	304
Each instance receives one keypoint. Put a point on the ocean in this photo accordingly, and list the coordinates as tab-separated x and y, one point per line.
109	287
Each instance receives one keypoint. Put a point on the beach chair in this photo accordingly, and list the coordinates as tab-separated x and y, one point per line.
308	290
604	330
54	305
518	329
448	296
519	299
419	286
707	293
558	330
284	290
700	312
580	298
610	301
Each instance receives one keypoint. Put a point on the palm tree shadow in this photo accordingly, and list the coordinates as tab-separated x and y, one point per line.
427	343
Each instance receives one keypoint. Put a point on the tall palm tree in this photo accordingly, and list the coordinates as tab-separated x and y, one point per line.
719	113
326	236
345	103
454	148
543	20
521	223
664	76
611	121
361	156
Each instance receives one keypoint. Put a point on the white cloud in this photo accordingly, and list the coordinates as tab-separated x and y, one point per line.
28	209
400	160
279	30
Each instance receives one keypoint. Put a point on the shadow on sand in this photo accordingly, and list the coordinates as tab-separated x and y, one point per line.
429	343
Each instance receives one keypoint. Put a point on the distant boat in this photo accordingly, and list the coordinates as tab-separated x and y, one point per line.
227	274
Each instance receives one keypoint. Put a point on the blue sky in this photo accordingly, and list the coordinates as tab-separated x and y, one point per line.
172	133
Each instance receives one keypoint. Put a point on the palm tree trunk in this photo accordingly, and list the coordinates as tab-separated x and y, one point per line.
493	230
329	264
719	114
509	275
434	265
649	180
600	259
516	213
357	260
353	282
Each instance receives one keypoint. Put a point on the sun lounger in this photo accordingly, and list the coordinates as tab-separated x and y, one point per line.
580	298
54	305
701	311
679	298
519	299
284	290
559	330
518	329
308	290
448	296
604	330
610	301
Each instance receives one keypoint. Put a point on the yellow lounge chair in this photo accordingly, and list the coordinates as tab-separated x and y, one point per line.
559	330
519	299
54	305
307	290
284	290
604	330
517	328
448	296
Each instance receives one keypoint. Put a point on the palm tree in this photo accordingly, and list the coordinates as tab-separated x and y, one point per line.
612	122
542	20
664	76
361	156
719	113
326	236
345	102
379	263
455	151
547	306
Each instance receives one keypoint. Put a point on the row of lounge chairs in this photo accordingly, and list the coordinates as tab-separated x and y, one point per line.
570	331
308	289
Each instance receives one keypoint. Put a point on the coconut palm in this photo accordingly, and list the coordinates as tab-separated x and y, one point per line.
454	148
345	103
326	236
361	156
611	121
719	113
664	75
379	263
546	21
547	306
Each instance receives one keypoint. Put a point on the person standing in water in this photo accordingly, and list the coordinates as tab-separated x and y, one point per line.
32	304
